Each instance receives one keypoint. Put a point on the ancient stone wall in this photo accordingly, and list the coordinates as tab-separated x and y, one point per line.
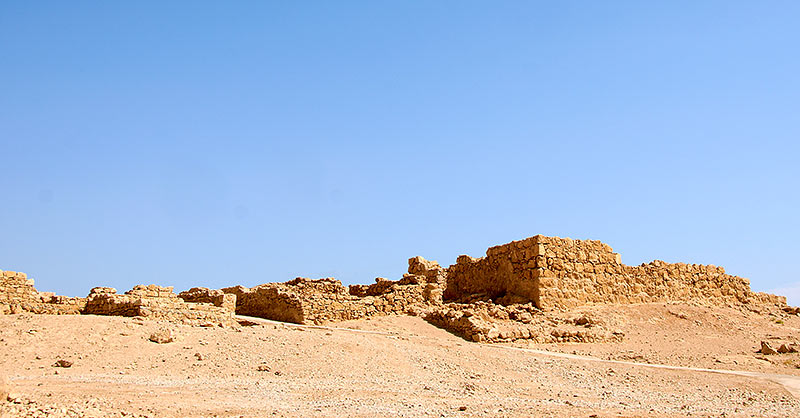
18	294
554	272
274	301
212	296
16	291
155	302
326	300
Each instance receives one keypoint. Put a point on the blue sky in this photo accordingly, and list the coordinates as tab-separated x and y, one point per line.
221	143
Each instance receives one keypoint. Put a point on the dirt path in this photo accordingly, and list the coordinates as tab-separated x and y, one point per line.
791	383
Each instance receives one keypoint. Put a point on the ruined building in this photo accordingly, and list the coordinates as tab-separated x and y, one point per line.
521	290
553	272
326	300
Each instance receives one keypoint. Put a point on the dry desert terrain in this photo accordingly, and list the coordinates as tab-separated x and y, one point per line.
401	366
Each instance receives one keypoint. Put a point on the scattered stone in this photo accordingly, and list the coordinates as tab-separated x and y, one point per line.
680	315
5	388
199	356
792	310
767	349
63	363
462	408
263	368
162	336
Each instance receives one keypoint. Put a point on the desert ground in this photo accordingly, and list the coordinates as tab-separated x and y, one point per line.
401	366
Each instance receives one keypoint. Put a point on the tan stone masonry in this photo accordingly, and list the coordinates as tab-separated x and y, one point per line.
157	302
18	294
521	290
319	301
554	272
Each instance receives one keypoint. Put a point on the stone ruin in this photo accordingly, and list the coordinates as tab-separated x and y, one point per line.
17	295
539	289
306	301
483	296
205	307
196	306
552	272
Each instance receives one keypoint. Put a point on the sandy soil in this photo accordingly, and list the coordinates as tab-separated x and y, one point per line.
392	366
692	336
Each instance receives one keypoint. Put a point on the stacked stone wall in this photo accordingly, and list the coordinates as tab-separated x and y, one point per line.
212	296
554	272
155	302
18	294
320	301
271	301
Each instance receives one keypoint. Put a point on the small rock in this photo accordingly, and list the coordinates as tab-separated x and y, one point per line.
462	408
62	363
162	336
583	320
5	388
199	356
263	368
787	348
767	349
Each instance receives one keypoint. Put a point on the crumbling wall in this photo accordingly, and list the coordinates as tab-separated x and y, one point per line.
53	304
319	301
18	294
212	296
155	302
554	272
270	301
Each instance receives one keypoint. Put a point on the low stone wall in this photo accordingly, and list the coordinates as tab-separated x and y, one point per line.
212	296
306	301
155	302
319	301
271	301
554	272
53	304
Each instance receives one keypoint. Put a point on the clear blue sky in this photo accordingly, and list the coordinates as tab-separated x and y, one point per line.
220	143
